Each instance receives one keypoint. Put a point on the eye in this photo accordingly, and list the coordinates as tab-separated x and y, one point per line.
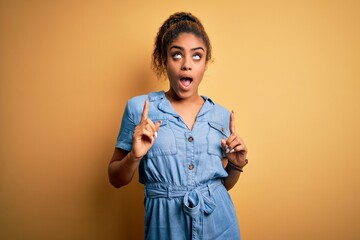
197	57
176	55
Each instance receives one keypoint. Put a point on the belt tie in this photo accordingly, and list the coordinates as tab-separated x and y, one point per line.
196	201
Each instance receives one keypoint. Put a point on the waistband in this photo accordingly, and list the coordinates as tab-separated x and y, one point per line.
196	200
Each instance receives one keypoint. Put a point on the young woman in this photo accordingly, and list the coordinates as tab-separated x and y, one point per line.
185	146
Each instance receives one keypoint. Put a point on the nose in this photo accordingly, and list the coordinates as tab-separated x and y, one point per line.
186	64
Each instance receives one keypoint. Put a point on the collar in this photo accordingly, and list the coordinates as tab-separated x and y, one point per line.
165	105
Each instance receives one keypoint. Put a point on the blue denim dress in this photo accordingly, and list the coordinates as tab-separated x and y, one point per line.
182	173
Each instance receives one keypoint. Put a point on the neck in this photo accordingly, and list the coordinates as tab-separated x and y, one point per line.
173	98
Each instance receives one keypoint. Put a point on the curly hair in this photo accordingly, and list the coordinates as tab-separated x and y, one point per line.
176	24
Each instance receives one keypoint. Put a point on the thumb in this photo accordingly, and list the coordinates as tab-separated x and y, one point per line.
157	126
223	143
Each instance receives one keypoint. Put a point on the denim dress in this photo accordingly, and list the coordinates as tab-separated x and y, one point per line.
182	173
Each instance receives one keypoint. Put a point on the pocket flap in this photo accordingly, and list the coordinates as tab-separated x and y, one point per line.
224	131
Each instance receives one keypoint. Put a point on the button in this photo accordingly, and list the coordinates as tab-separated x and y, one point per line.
222	129
190	139
191	166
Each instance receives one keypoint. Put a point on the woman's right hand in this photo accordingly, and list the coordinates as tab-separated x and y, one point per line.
144	134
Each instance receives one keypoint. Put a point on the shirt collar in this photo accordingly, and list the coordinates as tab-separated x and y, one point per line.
166	107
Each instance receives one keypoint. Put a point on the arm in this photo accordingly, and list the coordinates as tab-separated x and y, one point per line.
122	167
123	164
233	176
236	152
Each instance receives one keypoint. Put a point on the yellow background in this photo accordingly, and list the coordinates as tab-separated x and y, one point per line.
289	69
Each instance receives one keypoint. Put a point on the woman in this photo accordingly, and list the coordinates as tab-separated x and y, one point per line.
185	146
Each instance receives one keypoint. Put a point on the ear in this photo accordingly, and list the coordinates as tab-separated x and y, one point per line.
208	62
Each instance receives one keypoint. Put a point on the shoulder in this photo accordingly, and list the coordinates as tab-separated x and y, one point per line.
135	105
136	101
140	99
219	117
218	109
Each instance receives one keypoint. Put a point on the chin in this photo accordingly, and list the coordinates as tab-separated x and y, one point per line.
187	95
183	94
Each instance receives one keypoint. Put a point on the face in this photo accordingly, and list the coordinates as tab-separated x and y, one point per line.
185	65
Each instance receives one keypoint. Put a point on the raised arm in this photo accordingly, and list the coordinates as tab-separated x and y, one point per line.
123	164
236	152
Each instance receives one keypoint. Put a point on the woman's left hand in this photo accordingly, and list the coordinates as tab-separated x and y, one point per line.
234	146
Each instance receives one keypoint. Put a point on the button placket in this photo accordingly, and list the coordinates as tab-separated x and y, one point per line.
190	141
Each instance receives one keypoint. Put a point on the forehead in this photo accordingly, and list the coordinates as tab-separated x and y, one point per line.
188	41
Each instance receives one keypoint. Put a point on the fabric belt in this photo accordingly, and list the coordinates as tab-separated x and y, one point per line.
195	201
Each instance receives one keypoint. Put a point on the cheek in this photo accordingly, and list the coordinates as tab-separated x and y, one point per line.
171	68
201	71
169	72
171	75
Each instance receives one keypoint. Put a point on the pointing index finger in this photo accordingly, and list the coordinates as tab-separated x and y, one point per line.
232	122
144	114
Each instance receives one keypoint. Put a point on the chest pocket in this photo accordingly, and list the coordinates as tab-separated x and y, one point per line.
215	134
165	143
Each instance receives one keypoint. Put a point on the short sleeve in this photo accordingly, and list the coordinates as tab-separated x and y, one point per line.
124	140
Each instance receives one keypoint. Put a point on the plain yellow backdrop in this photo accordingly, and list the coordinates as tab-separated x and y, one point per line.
289	69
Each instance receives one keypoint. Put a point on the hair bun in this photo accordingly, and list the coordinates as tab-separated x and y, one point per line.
186	17
179	17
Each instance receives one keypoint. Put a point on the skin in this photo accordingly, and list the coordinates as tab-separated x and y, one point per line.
123	164
236	152
186	58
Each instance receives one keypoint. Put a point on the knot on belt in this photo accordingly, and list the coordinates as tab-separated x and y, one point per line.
196	200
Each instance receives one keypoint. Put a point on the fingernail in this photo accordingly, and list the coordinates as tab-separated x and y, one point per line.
227	150
155	134
232	150
152	138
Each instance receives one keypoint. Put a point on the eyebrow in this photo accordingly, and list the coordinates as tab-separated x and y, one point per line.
182	49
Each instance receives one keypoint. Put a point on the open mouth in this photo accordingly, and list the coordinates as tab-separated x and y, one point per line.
186	81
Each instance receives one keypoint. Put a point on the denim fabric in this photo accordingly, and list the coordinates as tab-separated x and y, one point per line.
182	172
